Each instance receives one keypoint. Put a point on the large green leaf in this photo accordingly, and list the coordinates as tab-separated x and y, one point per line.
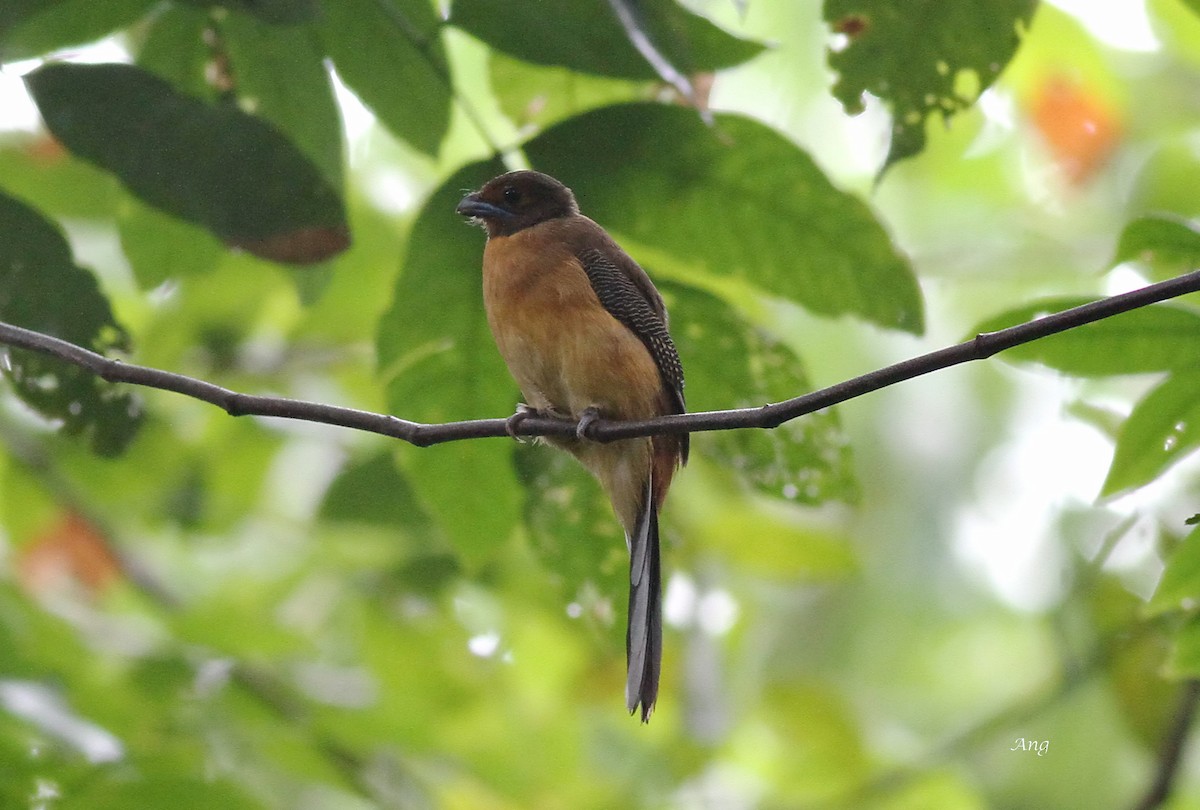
1162	429
1180	583
736	199
15	12
275	12
213	165
41	288
159	247
1167	245
1185	657
921	58
1156	338
729	363
545	94
585	35
279	73
173	47
440	364
47	25
113	791
390	54
373	491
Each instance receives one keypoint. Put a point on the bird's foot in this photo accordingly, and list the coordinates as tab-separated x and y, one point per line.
589	417
513	423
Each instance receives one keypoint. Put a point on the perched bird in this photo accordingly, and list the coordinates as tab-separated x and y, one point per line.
584	333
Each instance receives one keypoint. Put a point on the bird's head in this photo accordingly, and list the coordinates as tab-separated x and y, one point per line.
518	200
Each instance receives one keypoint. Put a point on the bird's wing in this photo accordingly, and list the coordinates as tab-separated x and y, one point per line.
629	303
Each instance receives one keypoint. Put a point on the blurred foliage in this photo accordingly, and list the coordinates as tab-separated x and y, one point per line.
920	61
974	590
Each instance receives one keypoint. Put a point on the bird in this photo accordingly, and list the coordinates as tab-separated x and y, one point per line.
584	333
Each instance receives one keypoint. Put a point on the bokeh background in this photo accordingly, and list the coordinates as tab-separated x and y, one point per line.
975	589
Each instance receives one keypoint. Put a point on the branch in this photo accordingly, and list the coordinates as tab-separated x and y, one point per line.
767	416
1171	754
627	14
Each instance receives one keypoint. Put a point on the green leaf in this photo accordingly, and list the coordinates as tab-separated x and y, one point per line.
391	56
1162	429
15	12
280	74
114	790
572	528
1179	588
373	491
213	165
159	247
1184	661
41	288
49	26
1147	700
439	363
1168	245
1166	180
275	12
934	56
1154	338
585	35
173	48
41	172
737	199
539	95
729	363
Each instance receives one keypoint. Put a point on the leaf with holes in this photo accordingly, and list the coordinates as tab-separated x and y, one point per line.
728	363
41	288
572	529
921	58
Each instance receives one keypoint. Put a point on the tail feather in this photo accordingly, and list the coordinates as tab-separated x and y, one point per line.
643	637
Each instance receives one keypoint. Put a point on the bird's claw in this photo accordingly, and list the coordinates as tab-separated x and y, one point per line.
513	423
586	419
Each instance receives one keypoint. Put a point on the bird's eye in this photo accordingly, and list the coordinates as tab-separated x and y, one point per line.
512	196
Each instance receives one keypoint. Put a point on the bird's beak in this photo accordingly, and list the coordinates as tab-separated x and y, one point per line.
473	206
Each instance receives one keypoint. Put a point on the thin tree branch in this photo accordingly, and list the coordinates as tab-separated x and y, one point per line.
631	20
1171	754
767	416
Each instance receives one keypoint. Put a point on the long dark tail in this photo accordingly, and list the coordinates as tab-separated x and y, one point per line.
643	637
